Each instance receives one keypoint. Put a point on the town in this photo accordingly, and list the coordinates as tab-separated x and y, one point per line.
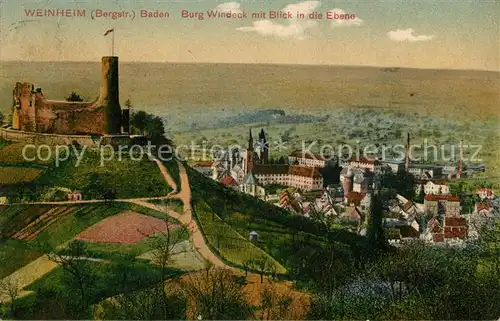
434	212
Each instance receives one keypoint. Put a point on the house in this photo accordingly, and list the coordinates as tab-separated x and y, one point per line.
308	159
353	214
75	196
442	205
305	178
434	187
354	198
450	229
485	193
204	167
455	228
290	203
394	165
372	165
425	171
230	182
252	186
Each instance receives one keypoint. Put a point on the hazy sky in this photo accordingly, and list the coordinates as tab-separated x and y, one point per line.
408	33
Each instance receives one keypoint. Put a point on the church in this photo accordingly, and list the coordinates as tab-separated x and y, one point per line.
259	172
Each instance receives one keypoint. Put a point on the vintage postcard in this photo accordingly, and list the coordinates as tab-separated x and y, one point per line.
249	160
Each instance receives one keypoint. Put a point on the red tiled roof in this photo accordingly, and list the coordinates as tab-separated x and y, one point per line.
438	237
430	197
260	169
354	214
434	225
455	232
286	169
300	154
355	198
363	159
407	205
204	164
482	206
455	221
228	180
488	191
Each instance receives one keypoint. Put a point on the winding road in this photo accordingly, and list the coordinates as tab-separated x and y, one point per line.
40	267
186	218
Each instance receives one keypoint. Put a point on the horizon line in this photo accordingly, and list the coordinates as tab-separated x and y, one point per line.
252	63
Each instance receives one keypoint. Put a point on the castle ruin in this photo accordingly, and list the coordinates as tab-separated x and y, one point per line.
33	112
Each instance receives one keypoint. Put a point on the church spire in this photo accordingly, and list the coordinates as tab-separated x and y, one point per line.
250	140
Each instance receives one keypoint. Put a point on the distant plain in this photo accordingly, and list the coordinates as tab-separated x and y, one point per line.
333	104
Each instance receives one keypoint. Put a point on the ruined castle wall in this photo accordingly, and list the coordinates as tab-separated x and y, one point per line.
56	139
68	117
49	139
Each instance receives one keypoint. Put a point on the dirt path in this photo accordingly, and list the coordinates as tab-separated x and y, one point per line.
185	218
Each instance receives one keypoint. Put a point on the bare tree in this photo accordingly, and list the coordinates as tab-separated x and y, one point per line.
262	266
75	264
246	266
278	304
218	294
9	289
162	249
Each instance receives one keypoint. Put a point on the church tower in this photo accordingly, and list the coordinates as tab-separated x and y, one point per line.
249	155
263	148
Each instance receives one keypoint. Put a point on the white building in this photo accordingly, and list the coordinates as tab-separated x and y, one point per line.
305	178
307	159
436	187
204	167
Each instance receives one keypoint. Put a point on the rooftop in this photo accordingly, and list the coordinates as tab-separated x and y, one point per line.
228	181
204	164
300	154
296	170
430	197
362	159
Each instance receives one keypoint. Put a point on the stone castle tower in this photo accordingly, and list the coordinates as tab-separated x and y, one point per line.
109	95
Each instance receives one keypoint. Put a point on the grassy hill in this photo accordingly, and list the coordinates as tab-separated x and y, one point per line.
226	215
34	180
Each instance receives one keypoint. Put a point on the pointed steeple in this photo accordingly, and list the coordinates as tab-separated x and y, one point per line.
250	140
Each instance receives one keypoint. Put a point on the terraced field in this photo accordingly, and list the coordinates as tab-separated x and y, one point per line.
17	175
229	244
53	224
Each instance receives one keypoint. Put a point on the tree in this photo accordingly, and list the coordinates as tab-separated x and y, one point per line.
9	289
2	117
374	230
162	249
128	103
139	121
276	304
74	97
262	266
75	264
146	304
218	294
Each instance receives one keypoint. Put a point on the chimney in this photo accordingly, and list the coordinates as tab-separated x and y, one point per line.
461	161
109	95
407	153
